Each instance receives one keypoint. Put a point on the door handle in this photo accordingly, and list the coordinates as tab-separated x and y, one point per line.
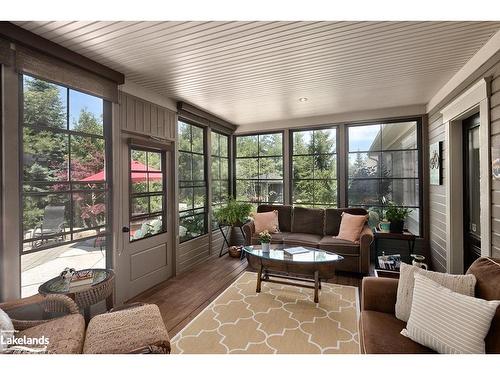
125	229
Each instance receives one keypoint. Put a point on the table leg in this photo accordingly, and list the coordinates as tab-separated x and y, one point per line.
316	286
86	314
110	302
245	240
259	279
225	242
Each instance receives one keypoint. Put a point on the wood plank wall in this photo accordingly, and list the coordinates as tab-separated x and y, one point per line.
437	194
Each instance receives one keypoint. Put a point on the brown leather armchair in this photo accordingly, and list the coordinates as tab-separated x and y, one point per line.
380	329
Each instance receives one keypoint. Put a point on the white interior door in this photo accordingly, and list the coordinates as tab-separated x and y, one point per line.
147	248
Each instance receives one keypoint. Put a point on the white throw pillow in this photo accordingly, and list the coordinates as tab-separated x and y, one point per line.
446	321
463	284
6	330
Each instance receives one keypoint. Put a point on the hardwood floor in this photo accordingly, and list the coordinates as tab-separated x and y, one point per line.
183	297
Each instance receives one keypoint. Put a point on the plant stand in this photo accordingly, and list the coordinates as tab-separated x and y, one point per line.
225	236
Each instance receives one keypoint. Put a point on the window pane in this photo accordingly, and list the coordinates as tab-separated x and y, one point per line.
216	192
85	113
154	161
139	187
224	169
215	141
87	158
270	168
45	155
155	182
400	163
184	136
364	165
44	103
215	168
302	142
270	144
185	166
198	167
271	191
185	199
364	192
140	206
246	190
325	192
325	166
199	197
402	192
143	228
303	192
191	226
89	210
364	138
46	220
303	167
325	141
223	145
247	146
399	136
138	160
197	142
247	168
156	203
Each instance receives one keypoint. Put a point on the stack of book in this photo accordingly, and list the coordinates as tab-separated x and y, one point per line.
81	279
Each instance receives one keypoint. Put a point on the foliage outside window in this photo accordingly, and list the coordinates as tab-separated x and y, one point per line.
314	168
259	168
147	193
219	171
64	187
383	167
192	182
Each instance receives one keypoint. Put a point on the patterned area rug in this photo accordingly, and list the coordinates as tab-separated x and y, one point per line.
281	319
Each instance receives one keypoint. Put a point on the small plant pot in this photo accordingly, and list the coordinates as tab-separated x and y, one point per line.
397	226
235	251
384	226
265	246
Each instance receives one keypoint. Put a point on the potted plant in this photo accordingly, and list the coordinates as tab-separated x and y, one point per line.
233	213
265	240
397	216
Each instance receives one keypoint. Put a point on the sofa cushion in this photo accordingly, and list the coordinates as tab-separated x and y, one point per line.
380	334
351	227
65	335
333	217
266	221
302	239
284	215
487	272
336	245
308	220
463	284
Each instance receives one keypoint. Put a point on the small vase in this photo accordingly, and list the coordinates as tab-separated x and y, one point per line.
265	246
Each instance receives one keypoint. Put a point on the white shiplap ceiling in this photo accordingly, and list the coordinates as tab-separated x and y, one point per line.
249	72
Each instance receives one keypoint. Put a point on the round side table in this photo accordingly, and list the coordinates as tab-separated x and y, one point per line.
102	288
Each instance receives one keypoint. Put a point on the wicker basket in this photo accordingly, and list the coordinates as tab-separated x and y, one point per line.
235	251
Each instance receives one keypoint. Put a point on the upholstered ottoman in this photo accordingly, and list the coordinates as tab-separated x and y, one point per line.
138	329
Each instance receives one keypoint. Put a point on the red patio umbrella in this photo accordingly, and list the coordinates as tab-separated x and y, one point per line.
139	173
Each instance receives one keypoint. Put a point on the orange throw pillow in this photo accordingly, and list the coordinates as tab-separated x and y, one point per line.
351	227
266	221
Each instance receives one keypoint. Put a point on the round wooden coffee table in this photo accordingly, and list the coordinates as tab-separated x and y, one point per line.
290	264
102	288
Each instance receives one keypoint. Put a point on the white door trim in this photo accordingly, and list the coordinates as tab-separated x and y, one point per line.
475	99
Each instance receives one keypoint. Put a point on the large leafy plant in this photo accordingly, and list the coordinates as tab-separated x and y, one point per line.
395	214
233	212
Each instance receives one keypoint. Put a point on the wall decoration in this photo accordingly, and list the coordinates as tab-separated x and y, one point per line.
435	161
495	163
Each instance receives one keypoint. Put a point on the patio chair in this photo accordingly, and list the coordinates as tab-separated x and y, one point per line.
52	225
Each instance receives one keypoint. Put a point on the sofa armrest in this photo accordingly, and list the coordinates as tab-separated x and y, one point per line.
365	241
379	294
249	230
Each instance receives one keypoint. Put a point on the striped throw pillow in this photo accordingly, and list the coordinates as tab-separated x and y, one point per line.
448	322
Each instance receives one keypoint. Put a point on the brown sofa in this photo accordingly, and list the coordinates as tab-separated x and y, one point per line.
380	329
315	227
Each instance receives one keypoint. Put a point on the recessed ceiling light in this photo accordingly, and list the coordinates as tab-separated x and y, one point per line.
303	100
